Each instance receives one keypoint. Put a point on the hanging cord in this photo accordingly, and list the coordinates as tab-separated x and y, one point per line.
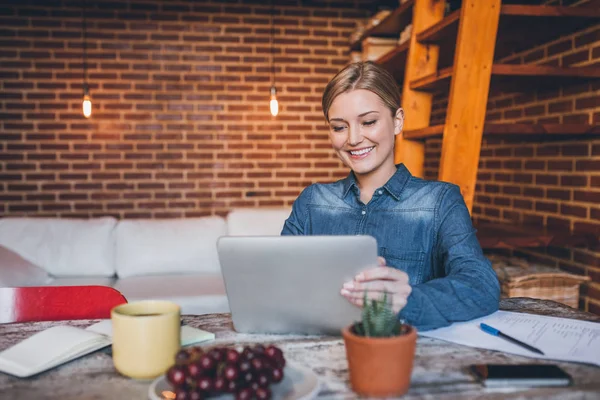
84	30
272	50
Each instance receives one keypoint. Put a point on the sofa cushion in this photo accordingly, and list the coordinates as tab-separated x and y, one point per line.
63	247
195	293
16	271
256	221
169	246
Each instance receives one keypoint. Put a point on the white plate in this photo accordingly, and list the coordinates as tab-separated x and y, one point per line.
298	383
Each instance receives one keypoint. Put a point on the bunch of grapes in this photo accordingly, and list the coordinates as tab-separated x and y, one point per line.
198	374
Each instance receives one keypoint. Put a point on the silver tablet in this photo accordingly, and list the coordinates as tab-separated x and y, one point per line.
291	284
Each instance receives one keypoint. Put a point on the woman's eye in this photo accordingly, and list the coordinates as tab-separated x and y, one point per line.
369	123
337	128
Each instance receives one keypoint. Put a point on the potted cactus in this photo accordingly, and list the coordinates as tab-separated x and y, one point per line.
380	350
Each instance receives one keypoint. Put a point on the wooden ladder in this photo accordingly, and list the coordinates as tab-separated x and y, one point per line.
476	28
467	101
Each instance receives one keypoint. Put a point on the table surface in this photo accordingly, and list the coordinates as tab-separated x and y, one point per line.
439	369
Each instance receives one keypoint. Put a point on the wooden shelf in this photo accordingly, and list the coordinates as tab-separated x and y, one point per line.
395	61
516	77
391	26
521	27
504	235
515	131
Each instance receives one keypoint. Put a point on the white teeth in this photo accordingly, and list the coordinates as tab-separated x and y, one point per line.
361	152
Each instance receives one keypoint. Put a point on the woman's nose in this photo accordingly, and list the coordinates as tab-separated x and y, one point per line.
354	136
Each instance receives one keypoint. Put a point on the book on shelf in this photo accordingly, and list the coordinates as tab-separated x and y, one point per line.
59	344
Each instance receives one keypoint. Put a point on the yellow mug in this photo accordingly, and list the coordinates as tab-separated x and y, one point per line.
146	337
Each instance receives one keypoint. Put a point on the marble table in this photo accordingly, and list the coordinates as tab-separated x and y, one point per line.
439	369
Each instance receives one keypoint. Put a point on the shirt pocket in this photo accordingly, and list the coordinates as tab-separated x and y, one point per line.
411	262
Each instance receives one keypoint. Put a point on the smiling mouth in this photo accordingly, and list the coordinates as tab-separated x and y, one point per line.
361	152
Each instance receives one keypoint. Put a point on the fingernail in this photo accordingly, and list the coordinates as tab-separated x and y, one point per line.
348	285
359	277
344	292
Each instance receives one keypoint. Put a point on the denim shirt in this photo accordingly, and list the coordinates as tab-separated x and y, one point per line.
422	228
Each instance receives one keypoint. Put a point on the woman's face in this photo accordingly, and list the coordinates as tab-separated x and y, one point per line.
362	129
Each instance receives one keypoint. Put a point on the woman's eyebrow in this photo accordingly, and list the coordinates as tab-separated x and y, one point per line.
360	115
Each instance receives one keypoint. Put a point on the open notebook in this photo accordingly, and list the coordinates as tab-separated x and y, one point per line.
59	344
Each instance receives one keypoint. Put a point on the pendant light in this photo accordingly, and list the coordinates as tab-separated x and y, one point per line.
87	101
273	104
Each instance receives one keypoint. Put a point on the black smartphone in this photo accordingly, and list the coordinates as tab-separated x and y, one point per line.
524	375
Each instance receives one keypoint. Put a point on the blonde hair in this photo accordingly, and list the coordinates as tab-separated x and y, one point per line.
363	75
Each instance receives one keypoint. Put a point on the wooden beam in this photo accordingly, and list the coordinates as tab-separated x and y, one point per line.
422	60
514	131
513	77
469	90
395	60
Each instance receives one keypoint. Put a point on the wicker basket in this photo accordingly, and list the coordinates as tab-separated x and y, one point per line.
519	278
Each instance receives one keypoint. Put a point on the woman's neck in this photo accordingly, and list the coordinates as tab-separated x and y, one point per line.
368	183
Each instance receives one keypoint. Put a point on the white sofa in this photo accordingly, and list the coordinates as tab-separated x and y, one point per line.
171	259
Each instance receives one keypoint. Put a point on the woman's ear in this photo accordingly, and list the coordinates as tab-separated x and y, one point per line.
398	121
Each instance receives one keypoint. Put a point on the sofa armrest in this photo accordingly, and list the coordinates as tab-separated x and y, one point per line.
15	271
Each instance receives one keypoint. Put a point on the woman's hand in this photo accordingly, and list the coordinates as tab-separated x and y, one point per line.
376	281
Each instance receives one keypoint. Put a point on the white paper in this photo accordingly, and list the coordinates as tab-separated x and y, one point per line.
49	348
558	338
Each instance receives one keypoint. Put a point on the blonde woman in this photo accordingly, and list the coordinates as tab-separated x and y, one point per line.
430	258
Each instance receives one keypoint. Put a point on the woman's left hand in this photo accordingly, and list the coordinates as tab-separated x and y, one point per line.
376	281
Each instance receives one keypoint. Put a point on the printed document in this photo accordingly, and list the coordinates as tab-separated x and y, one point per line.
559	338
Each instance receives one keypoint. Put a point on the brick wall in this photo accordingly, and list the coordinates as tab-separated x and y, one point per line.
181	125
554	183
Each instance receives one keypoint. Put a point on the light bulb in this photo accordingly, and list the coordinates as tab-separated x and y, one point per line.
87	106
273	104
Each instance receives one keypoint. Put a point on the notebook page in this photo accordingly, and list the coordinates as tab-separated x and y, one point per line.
48	348
559	338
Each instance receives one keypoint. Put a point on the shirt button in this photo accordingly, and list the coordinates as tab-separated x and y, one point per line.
380	192
363	212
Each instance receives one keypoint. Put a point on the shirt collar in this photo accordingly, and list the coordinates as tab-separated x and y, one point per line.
394	185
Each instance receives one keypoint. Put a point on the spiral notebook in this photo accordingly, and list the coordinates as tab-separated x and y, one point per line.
60	344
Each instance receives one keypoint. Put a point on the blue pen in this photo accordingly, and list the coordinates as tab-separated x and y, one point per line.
493	331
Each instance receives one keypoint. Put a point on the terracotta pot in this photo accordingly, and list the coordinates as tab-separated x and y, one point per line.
380	367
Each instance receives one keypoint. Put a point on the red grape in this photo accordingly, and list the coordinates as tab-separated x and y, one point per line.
176	375
196	395
259	349
231	372
244	394
232	386
182	357
194	370
232	356
216	354
263	393
263	379
206	384
245	366
247	353
273	352
181	394
257	364
206	362
248	377
220	384
277	375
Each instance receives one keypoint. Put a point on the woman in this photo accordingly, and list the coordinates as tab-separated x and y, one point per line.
430	258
